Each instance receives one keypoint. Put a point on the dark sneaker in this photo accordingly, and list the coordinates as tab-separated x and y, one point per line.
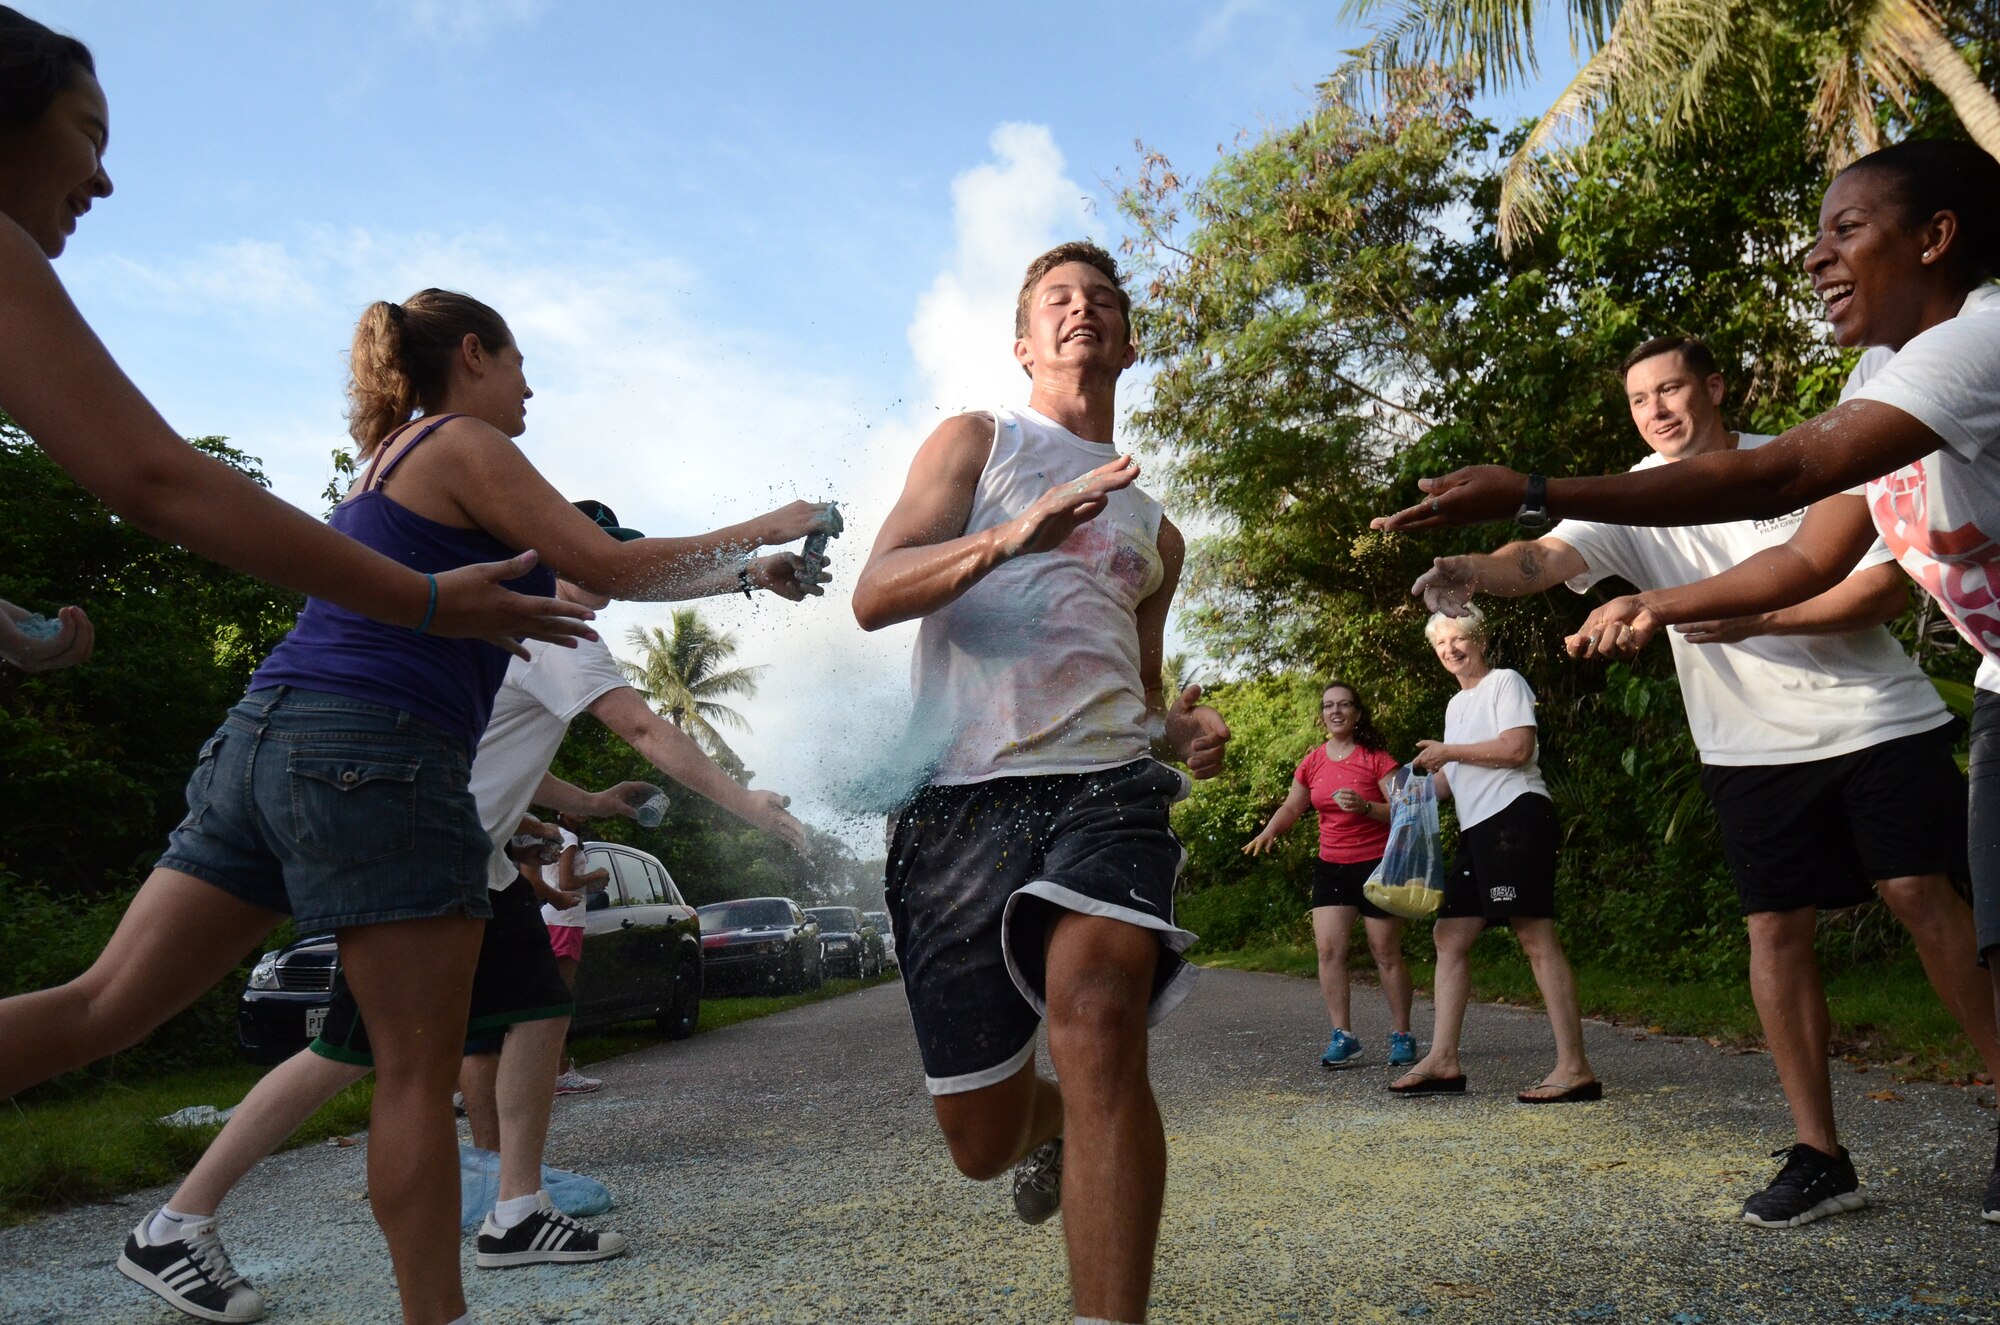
1989	1210
544	1237
1810	1186
192	1272
1038	1183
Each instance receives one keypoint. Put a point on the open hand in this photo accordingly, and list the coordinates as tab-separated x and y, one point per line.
1263	842
1476	495
473	604
1197	734
1447	586
69	645
1055	514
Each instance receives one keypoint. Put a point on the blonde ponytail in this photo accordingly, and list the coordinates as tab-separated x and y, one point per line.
402	356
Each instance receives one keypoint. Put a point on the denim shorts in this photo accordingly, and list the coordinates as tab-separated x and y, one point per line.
336	811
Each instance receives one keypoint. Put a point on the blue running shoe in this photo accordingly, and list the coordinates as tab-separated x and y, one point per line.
1402	1048
1341	1050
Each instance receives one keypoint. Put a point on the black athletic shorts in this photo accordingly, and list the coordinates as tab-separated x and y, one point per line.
1506	864
1983	830
516	981
977	873
1339	884
1823	833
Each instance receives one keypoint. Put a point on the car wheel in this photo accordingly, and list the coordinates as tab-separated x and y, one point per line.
681	1019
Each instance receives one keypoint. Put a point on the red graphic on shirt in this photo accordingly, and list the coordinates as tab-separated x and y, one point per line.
1958	566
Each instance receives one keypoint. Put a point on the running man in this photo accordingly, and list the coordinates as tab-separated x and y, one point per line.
177	1251
1825	751
1032	875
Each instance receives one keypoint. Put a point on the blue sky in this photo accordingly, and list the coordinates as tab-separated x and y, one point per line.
751	251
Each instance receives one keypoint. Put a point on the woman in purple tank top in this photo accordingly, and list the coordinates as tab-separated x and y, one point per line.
336	790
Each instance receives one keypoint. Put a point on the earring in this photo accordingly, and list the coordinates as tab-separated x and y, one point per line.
1927	255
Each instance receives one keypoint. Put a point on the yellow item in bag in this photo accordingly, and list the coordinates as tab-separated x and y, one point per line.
1412	900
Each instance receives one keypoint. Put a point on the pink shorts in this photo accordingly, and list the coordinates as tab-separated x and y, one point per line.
567	940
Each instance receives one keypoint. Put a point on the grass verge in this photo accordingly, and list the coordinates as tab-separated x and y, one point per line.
102	1141
1884	1014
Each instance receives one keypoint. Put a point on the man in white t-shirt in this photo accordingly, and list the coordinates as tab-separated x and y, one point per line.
1825	752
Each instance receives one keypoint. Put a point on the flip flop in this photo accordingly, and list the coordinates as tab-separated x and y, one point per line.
1581	1093
1426	1084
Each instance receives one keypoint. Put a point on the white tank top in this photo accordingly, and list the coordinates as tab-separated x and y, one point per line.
1035	669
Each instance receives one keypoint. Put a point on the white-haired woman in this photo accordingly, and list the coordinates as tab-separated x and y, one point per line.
1505	869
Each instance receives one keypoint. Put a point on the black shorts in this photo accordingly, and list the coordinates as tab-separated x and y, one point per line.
1823	833
516	981
976	874
1339	884
1983	830
1506	864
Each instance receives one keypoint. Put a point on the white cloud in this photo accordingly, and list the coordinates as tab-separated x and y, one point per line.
467	20
646	402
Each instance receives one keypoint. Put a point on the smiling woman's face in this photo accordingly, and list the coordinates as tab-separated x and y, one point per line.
1868	266
52	169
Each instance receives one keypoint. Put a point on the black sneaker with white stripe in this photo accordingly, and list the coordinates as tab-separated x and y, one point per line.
1038	1183
1811	1185
192	1272
544	1237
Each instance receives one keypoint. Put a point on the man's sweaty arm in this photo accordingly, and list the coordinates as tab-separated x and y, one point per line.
923	559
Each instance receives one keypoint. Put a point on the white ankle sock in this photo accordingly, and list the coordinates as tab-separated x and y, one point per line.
466	1319
1095	1320
170	1225
514	1209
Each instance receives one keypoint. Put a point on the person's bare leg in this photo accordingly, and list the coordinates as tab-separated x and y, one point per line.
1385	944
1537	937
277	1106
1100	978
1451	988
1332	926
526	1096
990	1130
177	938
479	1094
1785	985
567	968
1941	924
413	982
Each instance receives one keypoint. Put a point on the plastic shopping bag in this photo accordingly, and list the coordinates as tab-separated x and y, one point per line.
479	1188
1410	880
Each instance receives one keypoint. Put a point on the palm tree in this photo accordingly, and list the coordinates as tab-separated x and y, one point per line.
686	674
1654	61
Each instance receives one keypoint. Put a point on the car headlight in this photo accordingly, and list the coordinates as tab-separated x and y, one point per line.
264	975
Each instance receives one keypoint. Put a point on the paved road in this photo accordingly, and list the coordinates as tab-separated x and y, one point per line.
787	1170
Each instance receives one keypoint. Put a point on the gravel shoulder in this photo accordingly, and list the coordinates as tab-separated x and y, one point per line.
787	1170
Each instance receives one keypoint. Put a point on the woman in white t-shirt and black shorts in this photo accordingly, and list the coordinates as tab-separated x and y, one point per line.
1505	870
1345	780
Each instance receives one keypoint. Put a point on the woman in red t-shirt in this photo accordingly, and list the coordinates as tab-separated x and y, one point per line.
1346	782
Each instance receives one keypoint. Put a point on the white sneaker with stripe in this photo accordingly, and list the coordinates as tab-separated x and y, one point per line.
544	1237
192	1272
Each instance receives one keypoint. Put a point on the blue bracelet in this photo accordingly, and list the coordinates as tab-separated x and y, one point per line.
431	610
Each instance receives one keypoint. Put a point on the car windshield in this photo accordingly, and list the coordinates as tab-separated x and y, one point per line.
744	915
844	919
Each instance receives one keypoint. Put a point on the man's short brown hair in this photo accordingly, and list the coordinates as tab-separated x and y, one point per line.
1695	355
1077	250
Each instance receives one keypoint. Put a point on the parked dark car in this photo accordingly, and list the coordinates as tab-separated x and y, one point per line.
760	945
880	919
642	958
852	946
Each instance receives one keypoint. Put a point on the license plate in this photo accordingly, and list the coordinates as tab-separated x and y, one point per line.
315	1022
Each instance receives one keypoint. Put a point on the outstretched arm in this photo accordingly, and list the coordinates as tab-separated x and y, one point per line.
1871	597
1297	801
1844	447
1834	535
60	384
1509	572
1191	732
675	753
924	559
